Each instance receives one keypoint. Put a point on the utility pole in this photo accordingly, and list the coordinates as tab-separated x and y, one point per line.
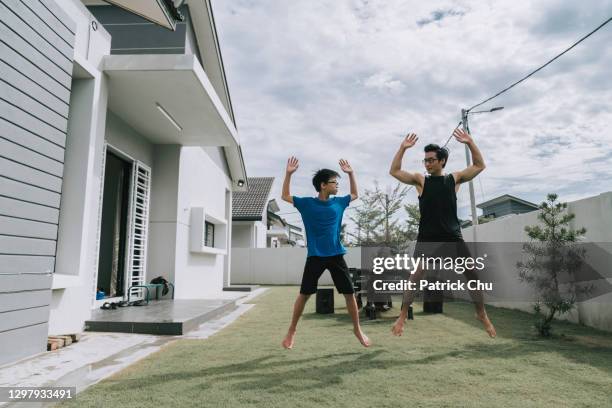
468	159
387	235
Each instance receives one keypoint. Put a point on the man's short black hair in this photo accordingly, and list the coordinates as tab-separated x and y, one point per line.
441	152
322	176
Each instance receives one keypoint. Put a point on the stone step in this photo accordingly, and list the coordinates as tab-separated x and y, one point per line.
240	288
162	317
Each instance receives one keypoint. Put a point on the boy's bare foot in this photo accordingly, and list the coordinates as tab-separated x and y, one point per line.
288	340
398	326
363	339
488	326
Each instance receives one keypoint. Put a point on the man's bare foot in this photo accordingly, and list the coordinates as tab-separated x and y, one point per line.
398	326
289	339
363	339
488	326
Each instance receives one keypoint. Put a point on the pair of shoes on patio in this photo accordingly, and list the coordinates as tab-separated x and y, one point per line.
109	306
115	305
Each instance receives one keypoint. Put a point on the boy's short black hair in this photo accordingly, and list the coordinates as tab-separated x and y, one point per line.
441	152
322	176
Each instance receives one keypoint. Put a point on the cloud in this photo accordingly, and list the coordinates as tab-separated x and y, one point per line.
384	81
438	15
347	78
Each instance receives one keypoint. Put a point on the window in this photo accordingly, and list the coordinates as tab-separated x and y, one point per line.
209	234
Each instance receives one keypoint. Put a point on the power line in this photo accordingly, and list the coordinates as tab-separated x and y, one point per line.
531	74
543	66
521	80
449	138
527	76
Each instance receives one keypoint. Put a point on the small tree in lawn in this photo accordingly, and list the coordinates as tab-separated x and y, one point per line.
389	202
367	218
553	259
412	222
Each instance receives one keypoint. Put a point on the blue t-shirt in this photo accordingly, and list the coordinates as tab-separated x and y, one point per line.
322	221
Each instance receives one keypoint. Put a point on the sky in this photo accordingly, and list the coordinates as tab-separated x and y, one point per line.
324	80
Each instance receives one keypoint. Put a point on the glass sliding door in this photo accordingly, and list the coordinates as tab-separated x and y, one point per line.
114	227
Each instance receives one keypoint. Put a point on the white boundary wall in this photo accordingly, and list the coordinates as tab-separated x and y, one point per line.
284	266
593	213
278	266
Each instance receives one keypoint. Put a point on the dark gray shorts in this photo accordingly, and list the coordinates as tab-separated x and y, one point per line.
316	265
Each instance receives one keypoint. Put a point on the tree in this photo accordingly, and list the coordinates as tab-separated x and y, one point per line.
367	218
553	259
412	222
390	202
377	222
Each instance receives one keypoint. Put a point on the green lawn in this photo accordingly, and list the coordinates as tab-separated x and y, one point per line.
441	361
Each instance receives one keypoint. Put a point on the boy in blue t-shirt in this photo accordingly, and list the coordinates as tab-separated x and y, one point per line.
322	217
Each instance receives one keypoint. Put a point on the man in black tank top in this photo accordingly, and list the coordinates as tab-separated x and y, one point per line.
437	193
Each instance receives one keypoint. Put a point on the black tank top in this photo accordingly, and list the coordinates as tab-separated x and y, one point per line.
438	207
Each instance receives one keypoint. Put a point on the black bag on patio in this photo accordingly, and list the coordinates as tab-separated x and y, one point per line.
162	280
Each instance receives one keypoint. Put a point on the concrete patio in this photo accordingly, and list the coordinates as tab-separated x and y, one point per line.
170	317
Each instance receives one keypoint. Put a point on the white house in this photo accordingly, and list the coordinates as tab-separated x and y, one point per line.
281	233
119	156
250	213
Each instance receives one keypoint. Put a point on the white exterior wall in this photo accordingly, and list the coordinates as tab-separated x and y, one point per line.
242	234
121	136
201	184
73	282
248	234
182	178
163	212
260	234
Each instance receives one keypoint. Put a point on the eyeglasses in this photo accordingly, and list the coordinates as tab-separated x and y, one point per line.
332	182
429	161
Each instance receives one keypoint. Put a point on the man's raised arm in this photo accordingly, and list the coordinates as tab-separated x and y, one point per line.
346	167
292	166
396	171
478	163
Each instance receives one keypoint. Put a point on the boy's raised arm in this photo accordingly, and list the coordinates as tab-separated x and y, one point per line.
292	166
346	167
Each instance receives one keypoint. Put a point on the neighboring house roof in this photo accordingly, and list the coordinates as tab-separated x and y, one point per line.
250	205
273	206
504	198
272	217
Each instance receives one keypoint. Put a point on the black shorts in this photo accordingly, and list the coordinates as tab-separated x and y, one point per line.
454	249
443	250
316	265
